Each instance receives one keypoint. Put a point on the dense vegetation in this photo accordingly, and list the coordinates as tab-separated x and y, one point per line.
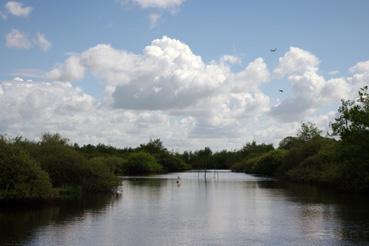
340	160
53	168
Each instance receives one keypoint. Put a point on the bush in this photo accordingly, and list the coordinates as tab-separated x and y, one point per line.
239	166
64	165
115	164
172	163
141	163
21	177
298	154
70	171
99	177
268	163
317	167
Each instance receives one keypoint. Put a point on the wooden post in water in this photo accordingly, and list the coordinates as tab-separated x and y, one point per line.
206	167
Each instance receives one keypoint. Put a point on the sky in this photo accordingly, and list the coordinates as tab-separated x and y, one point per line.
192	73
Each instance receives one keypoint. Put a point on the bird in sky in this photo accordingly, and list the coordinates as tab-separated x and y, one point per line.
273	50
281	91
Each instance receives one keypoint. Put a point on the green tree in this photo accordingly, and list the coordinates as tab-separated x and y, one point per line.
20	176
308	131
154	147
141	163
352	123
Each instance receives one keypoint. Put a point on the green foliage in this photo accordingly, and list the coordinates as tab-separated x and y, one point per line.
201	159
252	149
299	153
99	177
52	168
114	164
352	123
289	142
352	126
153	147
140	163
64	165
264	164
171	163
319	165
248	155
224	159
168	161
309	157
308	131
268	163
21	177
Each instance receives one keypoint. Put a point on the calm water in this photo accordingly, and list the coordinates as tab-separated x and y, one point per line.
234	209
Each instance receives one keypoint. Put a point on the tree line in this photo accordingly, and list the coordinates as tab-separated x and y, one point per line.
52	168
339	159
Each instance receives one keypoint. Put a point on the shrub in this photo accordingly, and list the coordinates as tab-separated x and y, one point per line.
141	163
99	177
115	164
172	163
21	177
268	163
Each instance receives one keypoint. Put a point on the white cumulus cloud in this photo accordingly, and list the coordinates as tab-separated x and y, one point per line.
169	92
295	61
231	59
311	90
18	9
42	42
18	40
167	75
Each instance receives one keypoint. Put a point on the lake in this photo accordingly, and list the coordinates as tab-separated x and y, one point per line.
225	209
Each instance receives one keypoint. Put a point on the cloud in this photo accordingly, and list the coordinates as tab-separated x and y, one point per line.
170	6
169	92
361	67
231	59
18	40
41	41
18	9
71	70
168	79
32	108
154	19
167	75
359	77
295	61
19	79
158	4
312	91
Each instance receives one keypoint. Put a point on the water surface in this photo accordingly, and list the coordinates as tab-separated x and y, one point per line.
226	209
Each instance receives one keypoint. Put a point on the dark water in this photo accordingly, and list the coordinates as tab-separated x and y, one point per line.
235	209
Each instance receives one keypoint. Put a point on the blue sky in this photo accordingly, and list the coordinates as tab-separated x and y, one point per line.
335	32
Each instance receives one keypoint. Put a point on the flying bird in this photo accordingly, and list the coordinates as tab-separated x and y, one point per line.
281	91
273	50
